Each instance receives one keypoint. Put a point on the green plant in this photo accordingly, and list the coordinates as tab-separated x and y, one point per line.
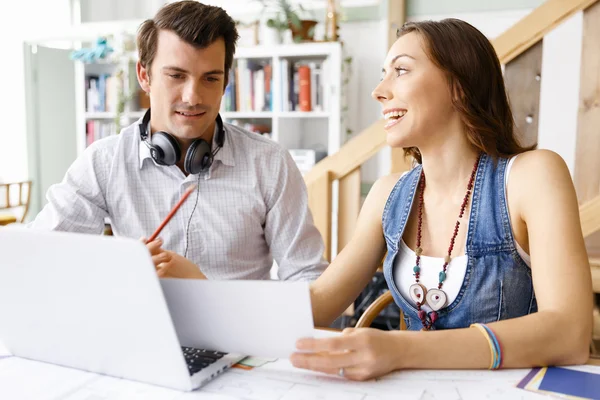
346	74
277	23
286	14
122	100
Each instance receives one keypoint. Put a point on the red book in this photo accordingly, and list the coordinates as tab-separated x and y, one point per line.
90	132
304	91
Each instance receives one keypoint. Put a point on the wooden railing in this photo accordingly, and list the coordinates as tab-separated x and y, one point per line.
344	166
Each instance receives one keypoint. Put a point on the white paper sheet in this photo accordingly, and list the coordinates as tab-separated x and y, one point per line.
507	376
109	388
26	380
322	333
255	318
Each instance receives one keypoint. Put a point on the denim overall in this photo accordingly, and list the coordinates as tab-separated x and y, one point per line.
497	282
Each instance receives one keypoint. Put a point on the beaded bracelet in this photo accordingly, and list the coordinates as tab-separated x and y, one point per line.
495	347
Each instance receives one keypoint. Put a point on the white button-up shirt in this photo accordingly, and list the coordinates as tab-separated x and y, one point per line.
250	207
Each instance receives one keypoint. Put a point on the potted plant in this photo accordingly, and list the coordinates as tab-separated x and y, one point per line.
288	16
274	29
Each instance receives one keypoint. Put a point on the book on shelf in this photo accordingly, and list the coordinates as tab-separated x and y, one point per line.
303	85
249	87
96	130
258	128
102	92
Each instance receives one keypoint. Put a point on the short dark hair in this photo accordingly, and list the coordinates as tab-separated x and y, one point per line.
197	24
475	79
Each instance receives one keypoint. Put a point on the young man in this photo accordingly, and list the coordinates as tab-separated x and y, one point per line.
250	205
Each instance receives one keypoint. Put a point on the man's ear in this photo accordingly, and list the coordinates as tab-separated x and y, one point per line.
143	77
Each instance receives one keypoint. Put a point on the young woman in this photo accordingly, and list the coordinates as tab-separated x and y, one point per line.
485	254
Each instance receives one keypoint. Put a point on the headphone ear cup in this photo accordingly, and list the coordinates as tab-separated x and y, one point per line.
167	149
198	157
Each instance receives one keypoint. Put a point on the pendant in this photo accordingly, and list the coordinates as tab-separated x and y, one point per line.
417	293
436	299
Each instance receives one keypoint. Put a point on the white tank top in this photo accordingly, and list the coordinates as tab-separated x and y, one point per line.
431	266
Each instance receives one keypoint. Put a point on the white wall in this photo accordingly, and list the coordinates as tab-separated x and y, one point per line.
362	41
117	10
47	16
559	92
491	23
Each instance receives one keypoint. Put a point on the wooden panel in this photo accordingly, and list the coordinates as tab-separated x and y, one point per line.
595	265
352	155
349	207
396	15
587	162
319	202
399	163
592	244
534	26
589	213
522	77
396	18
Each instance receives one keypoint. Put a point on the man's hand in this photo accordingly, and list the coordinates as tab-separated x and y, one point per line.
169	264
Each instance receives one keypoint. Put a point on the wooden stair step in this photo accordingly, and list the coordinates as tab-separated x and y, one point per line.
595	265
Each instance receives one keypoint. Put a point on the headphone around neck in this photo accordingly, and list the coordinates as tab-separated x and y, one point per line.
165	150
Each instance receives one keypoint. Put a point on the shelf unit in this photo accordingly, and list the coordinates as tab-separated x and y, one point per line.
319	129
106	116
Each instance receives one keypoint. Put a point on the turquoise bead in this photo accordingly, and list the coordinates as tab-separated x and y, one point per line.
442	276
416	269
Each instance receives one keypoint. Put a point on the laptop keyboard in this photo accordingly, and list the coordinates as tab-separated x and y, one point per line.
198	359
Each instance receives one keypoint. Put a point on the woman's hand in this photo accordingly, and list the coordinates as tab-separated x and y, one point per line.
363	353
169	264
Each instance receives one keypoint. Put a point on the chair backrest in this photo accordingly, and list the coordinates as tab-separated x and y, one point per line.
15	196
375	308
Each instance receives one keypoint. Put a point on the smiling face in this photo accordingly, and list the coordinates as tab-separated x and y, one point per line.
414	94
185	84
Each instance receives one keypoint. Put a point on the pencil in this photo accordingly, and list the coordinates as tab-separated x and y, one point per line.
186	194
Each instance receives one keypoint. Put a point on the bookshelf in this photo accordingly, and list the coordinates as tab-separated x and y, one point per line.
263	95
97	88
291	93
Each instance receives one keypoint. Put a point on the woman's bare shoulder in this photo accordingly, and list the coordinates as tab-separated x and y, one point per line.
534	165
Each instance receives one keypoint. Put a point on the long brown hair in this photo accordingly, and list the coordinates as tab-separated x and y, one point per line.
196	23
475	80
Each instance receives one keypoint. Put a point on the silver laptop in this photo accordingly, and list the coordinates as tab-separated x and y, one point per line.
94	303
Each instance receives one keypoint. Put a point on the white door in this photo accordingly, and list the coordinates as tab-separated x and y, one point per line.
51	118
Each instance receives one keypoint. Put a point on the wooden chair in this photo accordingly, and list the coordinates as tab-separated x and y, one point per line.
14	196
366	319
